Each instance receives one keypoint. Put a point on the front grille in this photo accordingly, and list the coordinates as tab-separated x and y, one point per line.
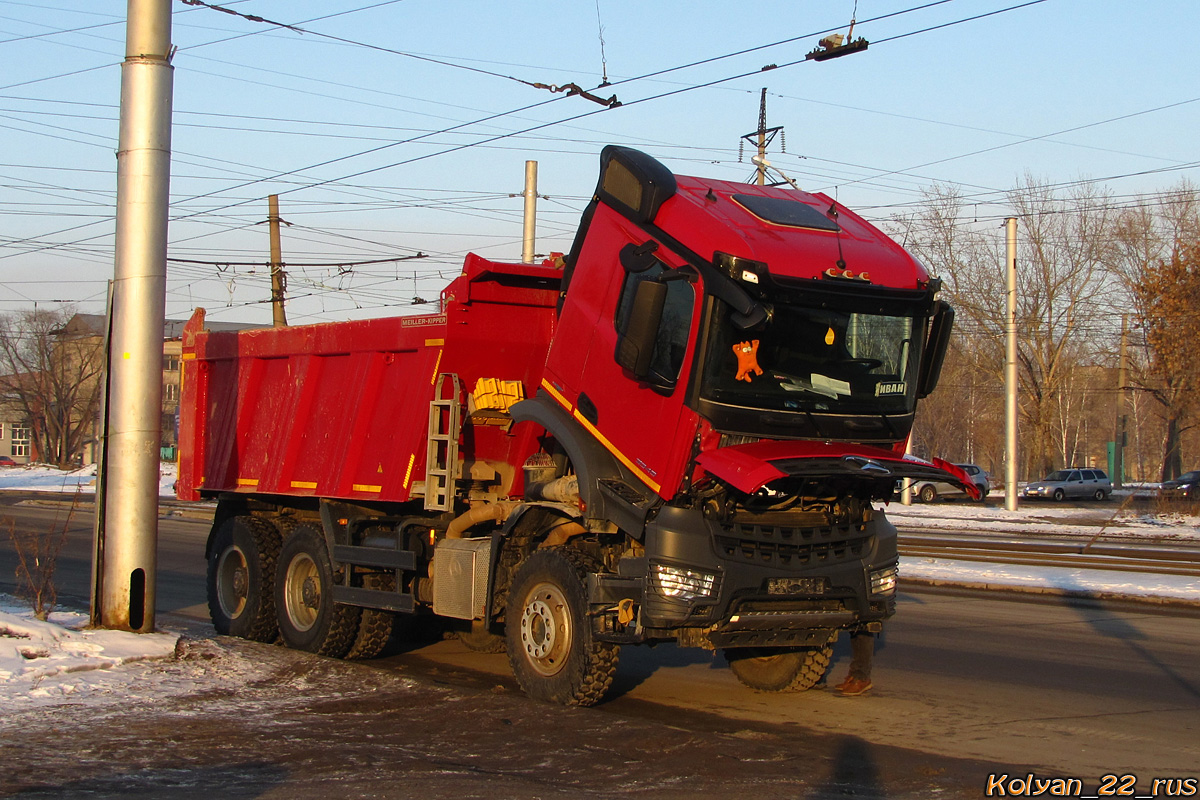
778	546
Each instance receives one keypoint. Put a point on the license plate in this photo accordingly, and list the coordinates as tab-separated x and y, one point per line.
796	586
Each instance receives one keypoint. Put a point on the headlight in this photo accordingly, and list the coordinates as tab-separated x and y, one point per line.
883	581
682	584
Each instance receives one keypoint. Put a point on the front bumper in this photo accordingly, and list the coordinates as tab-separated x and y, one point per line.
764	585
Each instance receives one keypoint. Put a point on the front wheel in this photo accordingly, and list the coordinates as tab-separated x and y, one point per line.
773	669
1060	495
550	644
308	617
928	494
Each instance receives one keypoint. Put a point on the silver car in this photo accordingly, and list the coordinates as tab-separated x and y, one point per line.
1071	484
929	491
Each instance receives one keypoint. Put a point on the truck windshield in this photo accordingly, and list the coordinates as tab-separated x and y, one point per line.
816	360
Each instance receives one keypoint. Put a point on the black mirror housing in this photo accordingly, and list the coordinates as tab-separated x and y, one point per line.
635	347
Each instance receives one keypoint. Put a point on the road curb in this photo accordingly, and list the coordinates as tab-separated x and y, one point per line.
201	512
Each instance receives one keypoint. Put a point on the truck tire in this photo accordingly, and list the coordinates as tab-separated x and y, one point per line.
241	579
480	638
308	618
928	493
550	644
375	625
772	669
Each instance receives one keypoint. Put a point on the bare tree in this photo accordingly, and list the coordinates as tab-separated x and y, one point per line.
1064	304
1158	255
52	377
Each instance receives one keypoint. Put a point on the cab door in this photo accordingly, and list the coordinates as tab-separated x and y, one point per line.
643	422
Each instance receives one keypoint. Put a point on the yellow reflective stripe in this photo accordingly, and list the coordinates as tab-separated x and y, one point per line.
304	484
362	487
408	472
554	393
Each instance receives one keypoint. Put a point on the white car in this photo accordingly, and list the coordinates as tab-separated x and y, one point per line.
928	491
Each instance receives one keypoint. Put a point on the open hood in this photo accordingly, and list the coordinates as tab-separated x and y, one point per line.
749	467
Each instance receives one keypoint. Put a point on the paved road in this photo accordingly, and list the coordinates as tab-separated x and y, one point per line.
966	685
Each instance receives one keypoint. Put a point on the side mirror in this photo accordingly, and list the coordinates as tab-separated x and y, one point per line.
935	348
635	346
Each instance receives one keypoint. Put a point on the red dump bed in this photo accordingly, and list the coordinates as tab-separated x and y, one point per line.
341	410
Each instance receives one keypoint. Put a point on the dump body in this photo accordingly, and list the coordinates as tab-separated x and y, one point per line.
341	410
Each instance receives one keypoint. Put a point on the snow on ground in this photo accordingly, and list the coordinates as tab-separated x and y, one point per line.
44	478
57	660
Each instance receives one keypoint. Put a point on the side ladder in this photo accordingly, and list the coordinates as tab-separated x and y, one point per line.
441	454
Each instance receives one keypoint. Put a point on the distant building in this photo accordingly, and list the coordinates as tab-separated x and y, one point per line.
15	439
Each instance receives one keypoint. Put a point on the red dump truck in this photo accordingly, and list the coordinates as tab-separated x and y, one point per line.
682	431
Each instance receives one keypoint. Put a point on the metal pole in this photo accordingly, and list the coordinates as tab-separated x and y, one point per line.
1010	370
278	316
906	492
530	212
762	139
134	403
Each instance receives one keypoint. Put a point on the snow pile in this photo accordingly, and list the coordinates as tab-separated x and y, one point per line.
55	659
1099	583
44	478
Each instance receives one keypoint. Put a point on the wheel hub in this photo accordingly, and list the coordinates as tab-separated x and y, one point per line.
240	582
537	629
233	582
546	631
310	594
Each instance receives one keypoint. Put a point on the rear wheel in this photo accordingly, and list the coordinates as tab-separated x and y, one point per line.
308	617
1100	495
375	625
550	644
928	494
772	669
241	579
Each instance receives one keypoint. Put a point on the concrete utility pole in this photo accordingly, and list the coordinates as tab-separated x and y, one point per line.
1010	370
128	531
530	212
278	278
1118	476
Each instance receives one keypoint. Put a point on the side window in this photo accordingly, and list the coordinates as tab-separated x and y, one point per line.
1074	477
673	331
1090	475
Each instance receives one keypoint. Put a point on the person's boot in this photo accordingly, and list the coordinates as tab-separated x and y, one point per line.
853	687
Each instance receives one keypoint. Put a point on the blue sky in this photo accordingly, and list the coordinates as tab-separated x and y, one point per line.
1060	89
